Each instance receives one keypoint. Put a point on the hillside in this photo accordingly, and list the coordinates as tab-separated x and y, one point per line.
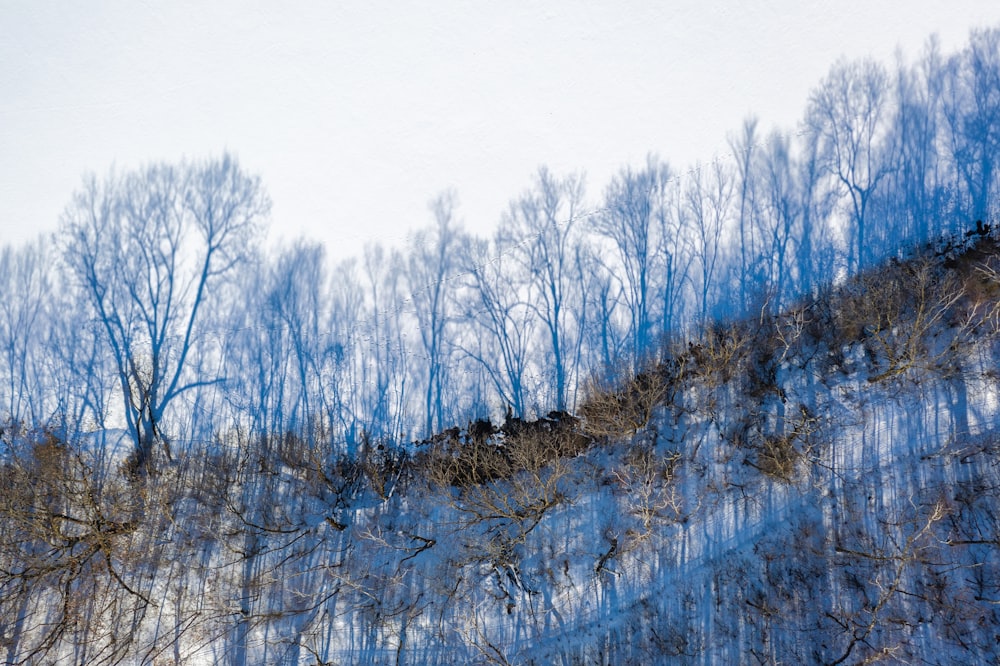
817	486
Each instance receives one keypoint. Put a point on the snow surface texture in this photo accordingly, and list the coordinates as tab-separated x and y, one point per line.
812	516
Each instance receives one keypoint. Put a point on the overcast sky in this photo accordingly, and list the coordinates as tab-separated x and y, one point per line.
357	114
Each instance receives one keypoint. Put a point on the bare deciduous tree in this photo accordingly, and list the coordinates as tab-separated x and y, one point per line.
24	319
148	247
972	111
707	199
431	257
544	217
849	114
504	328
636	208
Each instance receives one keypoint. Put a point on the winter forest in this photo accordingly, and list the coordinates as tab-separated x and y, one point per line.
528	447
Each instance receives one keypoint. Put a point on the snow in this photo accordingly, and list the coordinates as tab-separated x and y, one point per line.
669	546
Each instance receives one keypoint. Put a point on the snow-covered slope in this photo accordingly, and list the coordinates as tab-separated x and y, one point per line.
818	486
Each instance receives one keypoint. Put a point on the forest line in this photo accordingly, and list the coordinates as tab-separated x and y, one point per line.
155	307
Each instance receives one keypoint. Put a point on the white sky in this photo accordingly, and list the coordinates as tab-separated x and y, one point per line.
357	114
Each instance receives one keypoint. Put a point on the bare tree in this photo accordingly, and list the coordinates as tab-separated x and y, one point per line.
917	186
504	328
544	219
636	206
147	248
752	252
255	357
24	319
81	375
382	390
606	341
346	308
972	111
849	115
708	198
674	251
784	211
431	257
815	249
275	349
